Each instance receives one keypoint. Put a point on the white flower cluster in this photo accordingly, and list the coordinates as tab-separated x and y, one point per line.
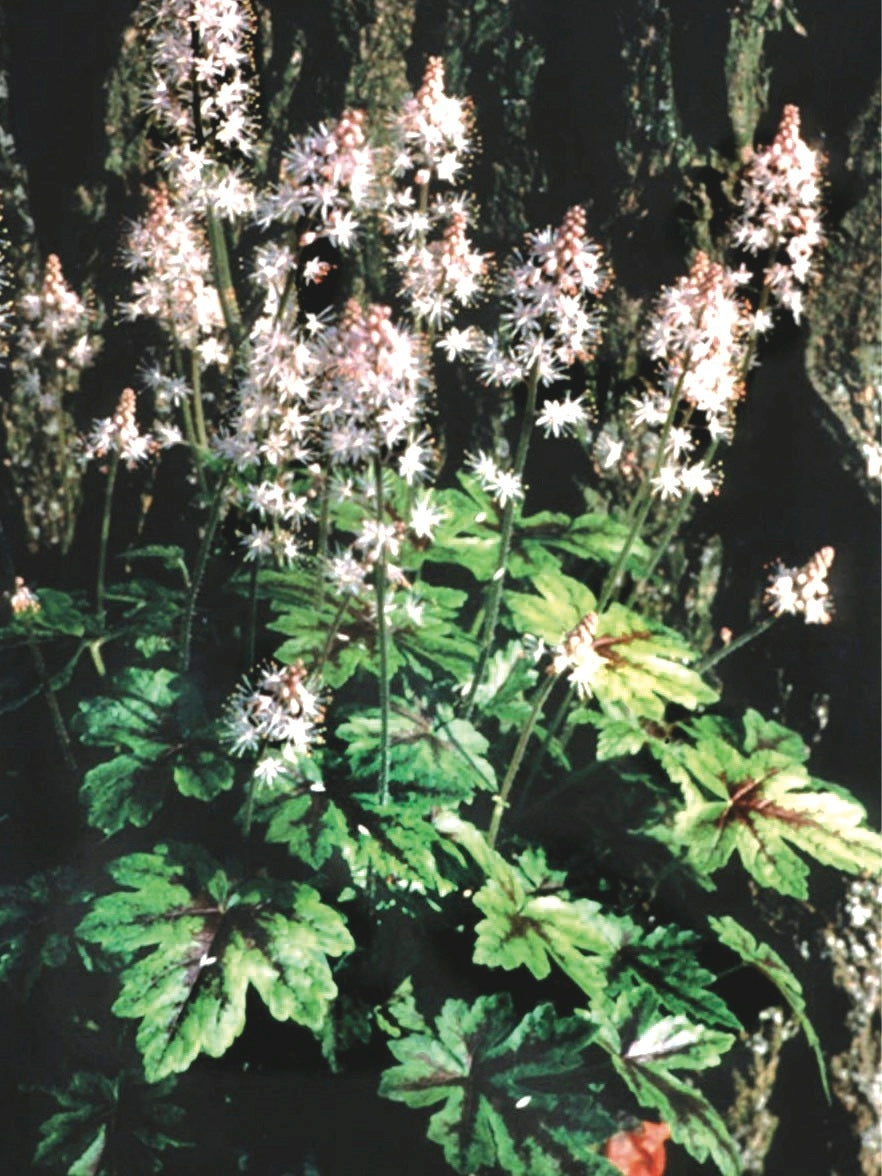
501	484
700	335
200	52
120	434
326	176
168	251
549	319
433	130
440	270
54	341
278	709
780	211
577	656
803	591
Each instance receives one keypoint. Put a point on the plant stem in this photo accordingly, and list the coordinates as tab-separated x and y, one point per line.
187	417
332	633
199	572
669	531
644	498
748	635
494	592
321	551
52	702
105	536
223	277
501	801
251	621
383	640
198	410
554	726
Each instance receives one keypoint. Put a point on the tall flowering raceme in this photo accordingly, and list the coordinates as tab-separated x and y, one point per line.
325	182
700	336
202	98
53	342
428	220
780	212
168	251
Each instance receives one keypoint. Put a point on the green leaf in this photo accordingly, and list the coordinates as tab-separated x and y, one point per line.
509	674
310	826
560	606
645	1048
663	961
529	919
399	1014
766	960
172	558
765	807
36	923
591	536
428	634
59	614
193	938
157	716
632	666
514	1093
435	755
108	1126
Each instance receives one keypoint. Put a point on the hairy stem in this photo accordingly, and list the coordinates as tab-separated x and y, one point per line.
553	727
58	725
501	800
198	410
251	619
747	636
321	551
104	536
199	572
494	592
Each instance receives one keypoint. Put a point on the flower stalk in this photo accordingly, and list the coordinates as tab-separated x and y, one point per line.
383	642
494	592
500	802
104	536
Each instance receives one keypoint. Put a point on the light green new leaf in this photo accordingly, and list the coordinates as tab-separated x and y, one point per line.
632	666
513	1096
193	939
766	960
765	807
561	604
646	1048
109	1125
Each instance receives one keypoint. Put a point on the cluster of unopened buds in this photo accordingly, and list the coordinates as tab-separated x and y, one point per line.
803	591
23	602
